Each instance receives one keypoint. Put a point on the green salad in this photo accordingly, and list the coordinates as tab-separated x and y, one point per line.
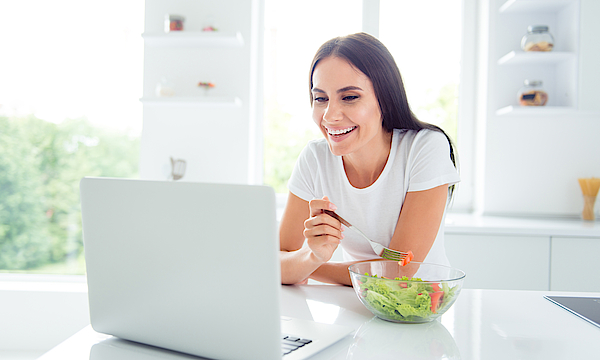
406	300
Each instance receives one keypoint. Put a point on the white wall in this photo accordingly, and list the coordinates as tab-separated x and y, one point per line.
37	313
589	73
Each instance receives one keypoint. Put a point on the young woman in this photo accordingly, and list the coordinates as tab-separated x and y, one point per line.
378	167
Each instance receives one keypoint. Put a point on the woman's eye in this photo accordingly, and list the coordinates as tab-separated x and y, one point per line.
350	97
320	99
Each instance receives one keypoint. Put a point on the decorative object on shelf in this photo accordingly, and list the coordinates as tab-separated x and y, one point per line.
589	188
165	88
209	24
177	168
206	85
537	39
173	22
532	94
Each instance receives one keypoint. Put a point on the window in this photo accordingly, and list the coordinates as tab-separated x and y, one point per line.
425	38
70	80
294	30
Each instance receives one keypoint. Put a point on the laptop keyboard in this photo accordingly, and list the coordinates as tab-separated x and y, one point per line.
291	343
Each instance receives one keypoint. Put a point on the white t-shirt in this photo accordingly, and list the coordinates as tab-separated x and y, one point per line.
418	161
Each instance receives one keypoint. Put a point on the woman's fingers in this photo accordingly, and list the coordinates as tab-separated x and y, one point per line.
319	223
323	230
318	205
323	246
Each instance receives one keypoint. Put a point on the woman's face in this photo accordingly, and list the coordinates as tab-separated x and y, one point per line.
345	107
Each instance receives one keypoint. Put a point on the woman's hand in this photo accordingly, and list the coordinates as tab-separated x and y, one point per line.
322	232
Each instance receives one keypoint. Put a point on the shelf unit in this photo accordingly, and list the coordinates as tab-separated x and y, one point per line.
557	69
533	58
214	131
529	111
533	5
194	101
194	39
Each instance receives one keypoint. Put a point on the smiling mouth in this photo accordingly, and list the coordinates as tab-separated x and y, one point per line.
340	132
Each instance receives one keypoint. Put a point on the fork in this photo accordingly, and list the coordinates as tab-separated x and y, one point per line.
402	257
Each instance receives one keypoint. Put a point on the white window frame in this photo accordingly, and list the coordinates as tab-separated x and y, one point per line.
464	201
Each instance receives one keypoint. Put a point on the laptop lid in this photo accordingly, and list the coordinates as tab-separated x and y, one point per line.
191	267
587	308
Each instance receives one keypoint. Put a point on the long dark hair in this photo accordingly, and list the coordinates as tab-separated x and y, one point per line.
372	58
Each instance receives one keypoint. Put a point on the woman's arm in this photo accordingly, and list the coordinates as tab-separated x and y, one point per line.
305	221
419	221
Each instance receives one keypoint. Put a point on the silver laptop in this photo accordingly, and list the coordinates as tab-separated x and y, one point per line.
190	267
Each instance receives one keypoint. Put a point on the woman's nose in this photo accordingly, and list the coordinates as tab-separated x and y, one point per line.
332	112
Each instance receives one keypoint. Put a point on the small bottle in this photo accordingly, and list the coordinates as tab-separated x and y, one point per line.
537	39
532	94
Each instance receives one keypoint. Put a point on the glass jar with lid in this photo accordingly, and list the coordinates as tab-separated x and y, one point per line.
532	94
537	39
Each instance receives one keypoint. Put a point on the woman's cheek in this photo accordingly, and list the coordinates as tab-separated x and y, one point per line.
317	115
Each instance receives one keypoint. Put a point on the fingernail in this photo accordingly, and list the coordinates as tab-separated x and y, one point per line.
332	207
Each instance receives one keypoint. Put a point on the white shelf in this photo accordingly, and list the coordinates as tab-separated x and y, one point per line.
534	110
539	57
534	5
194	39
193	101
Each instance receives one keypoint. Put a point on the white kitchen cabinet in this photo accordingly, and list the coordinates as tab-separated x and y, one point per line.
501	261
529	253
574	264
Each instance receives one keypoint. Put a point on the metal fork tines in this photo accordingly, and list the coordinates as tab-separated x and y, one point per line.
379	249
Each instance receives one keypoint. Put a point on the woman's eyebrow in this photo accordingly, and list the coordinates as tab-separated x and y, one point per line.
347	88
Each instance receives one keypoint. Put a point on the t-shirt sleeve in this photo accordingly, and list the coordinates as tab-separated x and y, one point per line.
429	162
302	180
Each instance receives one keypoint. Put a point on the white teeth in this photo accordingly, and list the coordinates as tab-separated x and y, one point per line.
341	131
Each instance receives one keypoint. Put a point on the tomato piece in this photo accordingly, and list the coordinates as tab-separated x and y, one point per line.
436	299
407	259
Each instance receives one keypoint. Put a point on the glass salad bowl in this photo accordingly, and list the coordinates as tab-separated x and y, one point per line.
415	293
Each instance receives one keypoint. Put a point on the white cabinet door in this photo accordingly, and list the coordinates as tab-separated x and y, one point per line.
501	261
575	265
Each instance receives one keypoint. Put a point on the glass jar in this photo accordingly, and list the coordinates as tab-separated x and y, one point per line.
532	94
537	39
173	22
165	88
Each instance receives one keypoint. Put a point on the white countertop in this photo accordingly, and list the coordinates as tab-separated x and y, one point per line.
459	223
482	324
